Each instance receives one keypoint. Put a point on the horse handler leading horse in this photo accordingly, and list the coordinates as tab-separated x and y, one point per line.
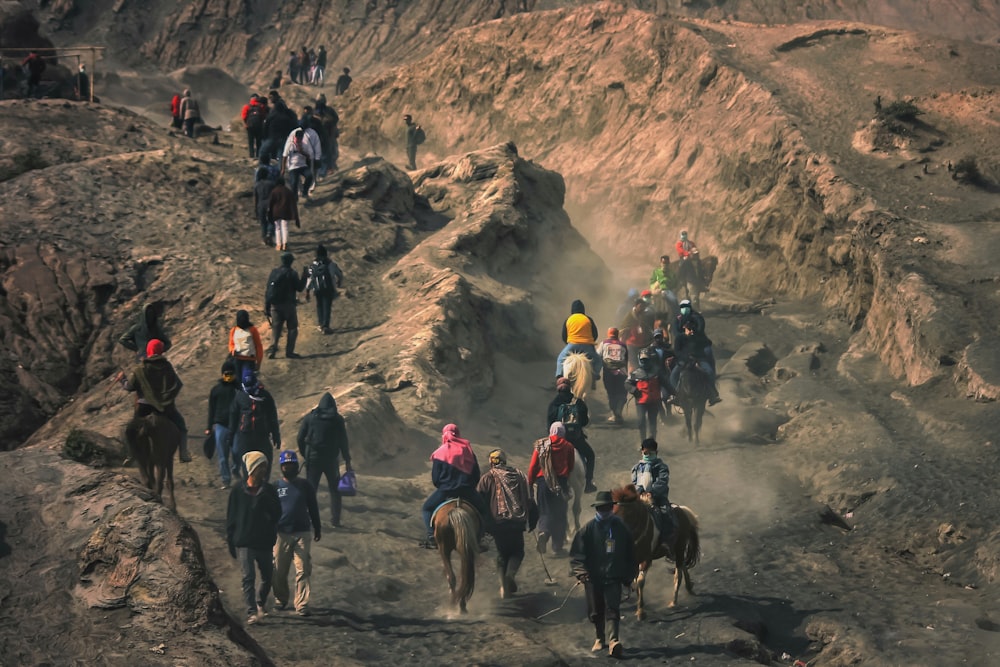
603	559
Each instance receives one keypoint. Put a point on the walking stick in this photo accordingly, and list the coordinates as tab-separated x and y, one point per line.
565	600
549	581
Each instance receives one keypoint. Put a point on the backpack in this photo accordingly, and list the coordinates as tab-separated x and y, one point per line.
569	415
322	281
255	117
243	343
248	418
419	136
277	286
614	355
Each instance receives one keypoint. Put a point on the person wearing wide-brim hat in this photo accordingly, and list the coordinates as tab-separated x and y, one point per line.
602	558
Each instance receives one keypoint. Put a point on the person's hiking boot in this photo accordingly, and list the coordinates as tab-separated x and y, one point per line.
715	399
598	645
615	649
279	605
428	543
272	353
185	452
304	611
543	539
292	355
590	487
261	611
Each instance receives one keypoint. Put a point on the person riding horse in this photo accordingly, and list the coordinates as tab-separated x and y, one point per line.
573	413
651	477
156	385
694	348
580	335
455	474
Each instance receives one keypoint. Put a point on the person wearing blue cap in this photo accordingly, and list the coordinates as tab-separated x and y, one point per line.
253	422
299	513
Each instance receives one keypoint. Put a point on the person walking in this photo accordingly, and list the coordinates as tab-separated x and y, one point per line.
253	423
414	137
251	532
282	209
551	464
156	385
220	402
614	356
190	112
505	490
245	345
324	277
262	188
302	151
602	557
646	383
254	114
322	442
344	81
299	513
283	285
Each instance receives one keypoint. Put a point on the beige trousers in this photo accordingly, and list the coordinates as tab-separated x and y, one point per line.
289	547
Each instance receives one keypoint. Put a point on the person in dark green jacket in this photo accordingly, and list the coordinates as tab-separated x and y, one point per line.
603	558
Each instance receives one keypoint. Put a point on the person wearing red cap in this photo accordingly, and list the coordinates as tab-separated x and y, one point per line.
614	355
156	385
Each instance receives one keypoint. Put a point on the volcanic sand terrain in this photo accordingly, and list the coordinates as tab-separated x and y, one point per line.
458	277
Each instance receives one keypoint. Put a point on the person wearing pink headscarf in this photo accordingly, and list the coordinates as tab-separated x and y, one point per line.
455	474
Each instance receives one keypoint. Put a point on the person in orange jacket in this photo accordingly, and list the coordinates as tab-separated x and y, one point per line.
245	345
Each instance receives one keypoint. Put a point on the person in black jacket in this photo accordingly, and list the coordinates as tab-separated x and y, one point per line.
603	558
322	442
280	122
324	277
253	423
146	329
574	415
262	187
252	530
282	285
220	401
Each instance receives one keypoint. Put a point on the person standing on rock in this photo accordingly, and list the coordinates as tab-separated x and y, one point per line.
573	413
293	67
283	285
190	112
344	81
299	514
251	532
415	136
156	385
324	278
322	443
253	422
175	112
579	333
614	356
551	465
505	490
245	346
319	76
146	329
220	402
603	560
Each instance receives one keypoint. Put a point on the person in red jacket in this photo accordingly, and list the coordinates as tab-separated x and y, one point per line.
549	470
688	252
254	113
175	111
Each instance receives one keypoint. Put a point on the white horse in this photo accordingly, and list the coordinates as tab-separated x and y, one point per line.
578	369
576	480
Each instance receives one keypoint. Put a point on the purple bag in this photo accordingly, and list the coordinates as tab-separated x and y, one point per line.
348	485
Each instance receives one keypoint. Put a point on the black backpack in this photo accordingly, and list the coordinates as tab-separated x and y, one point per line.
569	415
248	418
322	281
277	286
255	117
419	136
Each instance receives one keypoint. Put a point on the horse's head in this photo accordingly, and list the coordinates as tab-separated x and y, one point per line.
627	494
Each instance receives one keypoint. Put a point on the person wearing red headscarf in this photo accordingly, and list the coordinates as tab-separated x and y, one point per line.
455	473
156	385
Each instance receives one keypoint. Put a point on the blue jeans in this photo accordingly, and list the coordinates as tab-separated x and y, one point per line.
222	450
324	302
292	177
595	361
264	560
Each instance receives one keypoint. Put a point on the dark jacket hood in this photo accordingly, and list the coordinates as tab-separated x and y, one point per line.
577	307
327	407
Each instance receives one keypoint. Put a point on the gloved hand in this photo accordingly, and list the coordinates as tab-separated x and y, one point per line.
232	551
267	314
583	577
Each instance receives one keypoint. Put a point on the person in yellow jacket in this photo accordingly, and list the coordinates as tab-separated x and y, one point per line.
580	335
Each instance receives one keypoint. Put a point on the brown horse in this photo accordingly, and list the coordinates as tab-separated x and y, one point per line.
684	551
456	528
152	441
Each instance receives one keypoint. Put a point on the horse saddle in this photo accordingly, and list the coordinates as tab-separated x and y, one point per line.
454	501
664	523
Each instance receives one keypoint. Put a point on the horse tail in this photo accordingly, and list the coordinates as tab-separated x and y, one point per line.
690	552
463	524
